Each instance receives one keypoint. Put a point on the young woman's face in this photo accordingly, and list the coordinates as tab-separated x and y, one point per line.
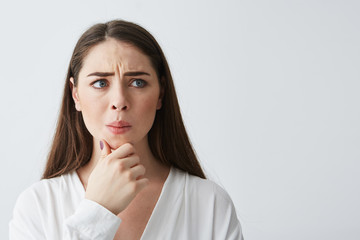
118	93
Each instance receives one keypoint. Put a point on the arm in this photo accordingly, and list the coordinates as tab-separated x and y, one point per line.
90	221
112	185
227	225
26	220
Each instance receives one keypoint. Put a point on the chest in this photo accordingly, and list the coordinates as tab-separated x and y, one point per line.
136	216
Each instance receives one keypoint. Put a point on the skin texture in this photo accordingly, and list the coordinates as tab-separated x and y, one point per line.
97	104
116	177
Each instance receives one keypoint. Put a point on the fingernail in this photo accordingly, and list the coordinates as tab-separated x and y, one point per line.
101	145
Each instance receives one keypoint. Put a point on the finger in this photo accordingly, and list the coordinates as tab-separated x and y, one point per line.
126	163
137	172
105	148
124	151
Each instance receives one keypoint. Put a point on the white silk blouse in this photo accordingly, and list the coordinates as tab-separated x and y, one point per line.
188	208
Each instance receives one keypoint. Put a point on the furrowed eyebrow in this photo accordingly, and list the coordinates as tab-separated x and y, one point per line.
101	74
136	73
107	74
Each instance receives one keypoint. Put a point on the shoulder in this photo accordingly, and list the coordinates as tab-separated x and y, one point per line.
39	190
42	189
211	203
37	196
205	187
32	206
203	192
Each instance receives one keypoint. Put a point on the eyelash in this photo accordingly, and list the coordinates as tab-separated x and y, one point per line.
142	81
106	82
97	81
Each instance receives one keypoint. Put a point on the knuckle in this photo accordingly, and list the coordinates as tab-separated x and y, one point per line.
129	147
129	175
121	166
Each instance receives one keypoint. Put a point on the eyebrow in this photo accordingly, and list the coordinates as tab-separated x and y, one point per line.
107	74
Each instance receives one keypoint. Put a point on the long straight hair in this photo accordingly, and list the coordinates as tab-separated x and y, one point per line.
72	145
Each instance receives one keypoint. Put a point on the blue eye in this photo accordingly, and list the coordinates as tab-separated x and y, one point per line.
99	84
139	83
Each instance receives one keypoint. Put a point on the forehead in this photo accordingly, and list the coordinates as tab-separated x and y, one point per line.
112	54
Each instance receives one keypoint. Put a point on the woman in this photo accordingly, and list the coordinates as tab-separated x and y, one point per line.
121	165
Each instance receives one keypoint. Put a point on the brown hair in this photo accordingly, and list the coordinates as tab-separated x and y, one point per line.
169	143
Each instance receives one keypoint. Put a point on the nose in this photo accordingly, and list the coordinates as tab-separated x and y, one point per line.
119	99
119	108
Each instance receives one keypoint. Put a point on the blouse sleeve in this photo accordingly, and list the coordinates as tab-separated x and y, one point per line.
89	221
226	223
26	221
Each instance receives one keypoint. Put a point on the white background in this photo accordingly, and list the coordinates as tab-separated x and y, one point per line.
269	92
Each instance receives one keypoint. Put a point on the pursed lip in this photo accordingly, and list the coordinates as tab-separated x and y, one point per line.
119	124
118	127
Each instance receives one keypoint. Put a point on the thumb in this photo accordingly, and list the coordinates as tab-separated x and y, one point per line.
105	148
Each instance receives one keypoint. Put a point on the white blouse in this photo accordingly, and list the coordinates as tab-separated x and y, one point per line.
188	208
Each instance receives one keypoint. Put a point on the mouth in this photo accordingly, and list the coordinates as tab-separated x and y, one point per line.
118	127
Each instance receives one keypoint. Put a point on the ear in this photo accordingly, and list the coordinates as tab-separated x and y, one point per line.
159	103
74	94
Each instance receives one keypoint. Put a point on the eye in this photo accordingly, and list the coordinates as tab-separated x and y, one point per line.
139	83
100	84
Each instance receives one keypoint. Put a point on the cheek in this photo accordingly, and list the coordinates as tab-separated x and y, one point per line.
93	110
92	105
147	110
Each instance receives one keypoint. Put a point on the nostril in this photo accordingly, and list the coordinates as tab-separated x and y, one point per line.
119	108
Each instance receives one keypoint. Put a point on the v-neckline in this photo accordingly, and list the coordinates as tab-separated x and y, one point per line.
163	189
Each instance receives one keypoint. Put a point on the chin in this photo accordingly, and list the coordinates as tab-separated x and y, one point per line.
116	143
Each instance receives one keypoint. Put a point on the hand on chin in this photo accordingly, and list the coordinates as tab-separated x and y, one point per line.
115	144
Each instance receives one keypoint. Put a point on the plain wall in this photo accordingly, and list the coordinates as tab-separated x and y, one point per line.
269	92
